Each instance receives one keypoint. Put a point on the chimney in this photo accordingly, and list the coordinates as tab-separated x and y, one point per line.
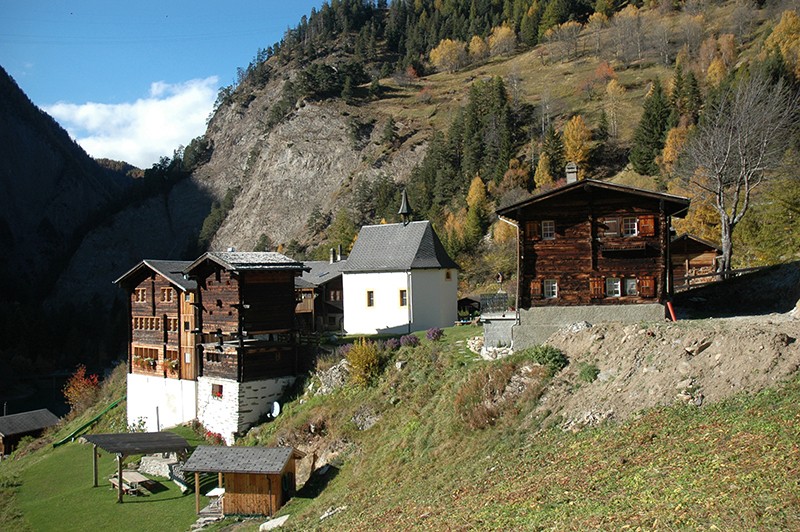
339	253
333	256
572	172
231	249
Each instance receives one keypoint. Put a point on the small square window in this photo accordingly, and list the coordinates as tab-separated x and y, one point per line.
550	288
187	296
186	326
447	275
187	357
140	295
370	298
629	226
613	287
403	298
630	287
216	391
548	229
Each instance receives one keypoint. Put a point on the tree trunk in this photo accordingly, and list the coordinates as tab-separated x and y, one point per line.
726	229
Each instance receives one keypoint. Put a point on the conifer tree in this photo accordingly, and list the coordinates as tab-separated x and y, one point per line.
553	147
648	139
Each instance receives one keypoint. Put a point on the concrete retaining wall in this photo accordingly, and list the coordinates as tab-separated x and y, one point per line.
160	402
537	324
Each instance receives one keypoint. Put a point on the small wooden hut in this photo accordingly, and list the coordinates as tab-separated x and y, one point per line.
16	426
693	256
256	480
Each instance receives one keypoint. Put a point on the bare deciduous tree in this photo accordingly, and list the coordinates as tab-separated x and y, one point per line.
739	144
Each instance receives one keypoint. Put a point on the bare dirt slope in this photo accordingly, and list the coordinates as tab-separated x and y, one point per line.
646	365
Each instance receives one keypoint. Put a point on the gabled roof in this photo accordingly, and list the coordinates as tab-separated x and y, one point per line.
172	270
247	261
702	241
398	247
127	443
26	422
261	460
674	205
322	271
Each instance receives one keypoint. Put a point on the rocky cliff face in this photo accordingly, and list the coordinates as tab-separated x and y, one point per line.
311	159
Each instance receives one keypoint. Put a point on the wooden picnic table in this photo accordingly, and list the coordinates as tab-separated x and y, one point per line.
130	481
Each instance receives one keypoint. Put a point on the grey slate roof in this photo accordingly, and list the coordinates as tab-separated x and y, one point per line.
26	422
322	271
172	270
262	460
248	260
128	443
398	247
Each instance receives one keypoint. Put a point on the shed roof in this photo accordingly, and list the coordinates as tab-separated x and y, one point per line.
684	237
247	260
262	460
172	270
128	443
25	422
398	247
674	205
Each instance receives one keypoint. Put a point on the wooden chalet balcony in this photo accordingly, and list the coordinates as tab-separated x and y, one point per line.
251	359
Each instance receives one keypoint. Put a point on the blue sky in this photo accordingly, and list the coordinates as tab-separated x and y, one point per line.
133	80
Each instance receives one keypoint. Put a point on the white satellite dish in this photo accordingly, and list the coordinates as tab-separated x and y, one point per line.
276	409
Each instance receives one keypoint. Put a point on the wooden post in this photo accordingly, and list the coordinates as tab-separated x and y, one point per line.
119	478
197	492
219	479
94	463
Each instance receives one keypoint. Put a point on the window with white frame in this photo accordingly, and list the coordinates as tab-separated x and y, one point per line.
629	226
613	287
548	229
550	289
370	298
403	298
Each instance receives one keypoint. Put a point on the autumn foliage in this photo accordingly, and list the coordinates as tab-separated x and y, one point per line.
80	390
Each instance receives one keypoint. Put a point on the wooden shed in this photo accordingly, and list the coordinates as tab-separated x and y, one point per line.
254	480
14	427
693	256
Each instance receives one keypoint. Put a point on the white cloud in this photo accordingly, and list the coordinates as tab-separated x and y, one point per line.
145	130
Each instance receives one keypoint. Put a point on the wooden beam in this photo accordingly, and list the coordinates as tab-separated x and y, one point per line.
219	479
119	478
197	492
94	464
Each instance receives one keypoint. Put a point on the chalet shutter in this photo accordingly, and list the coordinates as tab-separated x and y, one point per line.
533	230
536	289
610	227
647	287
596	290
647	225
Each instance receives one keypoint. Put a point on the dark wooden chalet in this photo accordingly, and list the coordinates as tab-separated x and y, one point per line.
253	480
325	280
161	337
594	243
14	427
247	324
691	257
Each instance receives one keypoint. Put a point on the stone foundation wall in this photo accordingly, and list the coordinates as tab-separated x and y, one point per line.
538	323
241	404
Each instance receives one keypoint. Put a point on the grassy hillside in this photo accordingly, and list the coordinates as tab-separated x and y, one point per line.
442	440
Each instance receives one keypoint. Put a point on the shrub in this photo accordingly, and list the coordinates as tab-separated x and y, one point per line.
80	390
364	361
392	344
434	334
547	356
409	340
588	372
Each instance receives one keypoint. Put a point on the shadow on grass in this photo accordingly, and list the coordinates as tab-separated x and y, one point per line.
317	483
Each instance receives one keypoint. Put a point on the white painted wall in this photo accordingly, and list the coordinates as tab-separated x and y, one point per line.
160	401
387	316
434	299
240	406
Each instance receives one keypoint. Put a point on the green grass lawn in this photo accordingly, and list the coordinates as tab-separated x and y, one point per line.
55	492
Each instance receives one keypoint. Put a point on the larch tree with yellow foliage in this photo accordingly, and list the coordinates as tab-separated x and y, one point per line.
502	41
478	49
449	55
542	177
786	38
577	143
